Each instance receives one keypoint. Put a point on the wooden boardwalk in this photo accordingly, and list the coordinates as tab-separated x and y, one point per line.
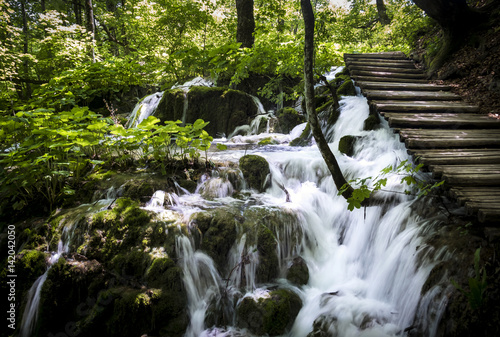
441	131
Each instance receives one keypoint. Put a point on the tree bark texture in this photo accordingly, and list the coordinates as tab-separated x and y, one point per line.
246	23
89	24
27	93
327	154
383	18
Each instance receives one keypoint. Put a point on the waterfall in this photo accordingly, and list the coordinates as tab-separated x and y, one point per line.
145	108
367	267
67	226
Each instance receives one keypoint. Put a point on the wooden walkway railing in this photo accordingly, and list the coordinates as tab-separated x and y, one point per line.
441	131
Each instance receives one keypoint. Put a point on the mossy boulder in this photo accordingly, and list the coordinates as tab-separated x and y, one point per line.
271	315
225	109
288	118
347	143
29	265
255	170
298	272
218	231
346	89
372	122
304	139
70	290
268	268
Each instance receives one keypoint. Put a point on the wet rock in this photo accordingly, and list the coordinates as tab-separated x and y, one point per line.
268	268
298	273
218	229
347	143
288	118
272	315
372	122
321	327
225	109
255	169
304	139
346	89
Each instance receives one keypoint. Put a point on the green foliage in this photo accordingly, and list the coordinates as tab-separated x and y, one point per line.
48	154
364	187
477	284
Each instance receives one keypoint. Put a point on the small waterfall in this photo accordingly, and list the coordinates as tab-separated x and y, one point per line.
202	283
145	108
68	225
30	315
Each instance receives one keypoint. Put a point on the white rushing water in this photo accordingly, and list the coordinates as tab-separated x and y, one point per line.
367	267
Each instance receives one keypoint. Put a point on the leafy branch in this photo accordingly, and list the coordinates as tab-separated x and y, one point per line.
365	187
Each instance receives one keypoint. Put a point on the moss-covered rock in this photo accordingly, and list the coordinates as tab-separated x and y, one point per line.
268	268
218	229
347	143
29	265
304	139
298	272
346	89
255	169
288	118
225	109
372	122
271	315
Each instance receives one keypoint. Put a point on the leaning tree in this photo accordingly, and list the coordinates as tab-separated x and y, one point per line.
457	20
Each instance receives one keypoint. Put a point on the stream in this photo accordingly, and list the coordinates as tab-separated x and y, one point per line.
367	267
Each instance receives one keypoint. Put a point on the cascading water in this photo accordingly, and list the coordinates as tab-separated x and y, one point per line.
367	267
68	226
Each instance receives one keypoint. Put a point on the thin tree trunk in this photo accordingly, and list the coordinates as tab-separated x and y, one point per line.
26	69
89	17
327	154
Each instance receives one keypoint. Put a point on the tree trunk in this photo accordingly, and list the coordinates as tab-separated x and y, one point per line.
457	21
383	18
27	93
246	23
89	24
327	154
78	12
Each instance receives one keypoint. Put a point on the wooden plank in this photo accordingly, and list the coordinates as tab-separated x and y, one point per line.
381	64
369	68
443	133
475	190
411	95
367	85
458	160
386	74
440	120
472	179
429	143
473	207
423	106
439	170
489	216
380	55
386	79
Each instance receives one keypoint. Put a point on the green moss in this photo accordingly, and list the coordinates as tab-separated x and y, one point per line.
372	122
268	268
298	273
219	237
346	144
273	315
171	105
225	109
255	169
346	89
164	273
266	141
